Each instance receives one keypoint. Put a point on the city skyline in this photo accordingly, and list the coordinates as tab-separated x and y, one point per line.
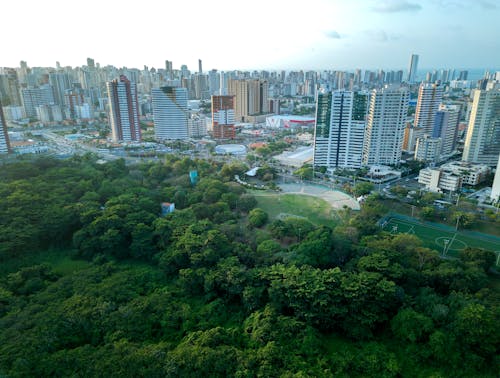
262	35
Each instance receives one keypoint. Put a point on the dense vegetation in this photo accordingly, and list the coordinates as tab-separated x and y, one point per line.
217	289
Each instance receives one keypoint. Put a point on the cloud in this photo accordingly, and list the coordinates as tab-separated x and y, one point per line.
487	4
393	6
380	35
332	34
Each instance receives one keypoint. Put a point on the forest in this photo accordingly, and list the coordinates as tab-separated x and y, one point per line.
95	282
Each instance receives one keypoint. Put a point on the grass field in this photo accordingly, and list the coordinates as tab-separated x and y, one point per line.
314	209
446	242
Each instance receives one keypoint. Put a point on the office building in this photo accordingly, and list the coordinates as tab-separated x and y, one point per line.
123	110
223	117
200	67
429	98
385	126
170	113
412	69
4	135
339	131
482	142
446	127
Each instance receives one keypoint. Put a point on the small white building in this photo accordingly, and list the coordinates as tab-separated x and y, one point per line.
436	180
451	176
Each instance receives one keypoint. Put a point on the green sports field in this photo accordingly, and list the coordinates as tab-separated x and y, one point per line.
314	209
442	238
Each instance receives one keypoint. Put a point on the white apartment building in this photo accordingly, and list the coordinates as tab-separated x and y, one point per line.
482	142
429	98
428	149
386	122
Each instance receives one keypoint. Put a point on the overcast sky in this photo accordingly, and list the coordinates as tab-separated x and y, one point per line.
260	34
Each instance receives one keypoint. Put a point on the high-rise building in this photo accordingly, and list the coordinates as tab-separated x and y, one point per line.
200	67
482	142
340	127
60	82
123	110
385	125
495	189
4	136
251	97
429	98
223	117
33	97
428	149
446	127
170	113
412	69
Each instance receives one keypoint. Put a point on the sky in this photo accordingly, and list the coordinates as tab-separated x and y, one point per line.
252	34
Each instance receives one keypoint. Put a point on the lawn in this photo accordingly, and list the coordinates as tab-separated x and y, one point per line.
314	209
440	237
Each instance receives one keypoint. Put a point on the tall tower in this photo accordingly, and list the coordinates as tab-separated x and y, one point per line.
446	127
340	128
429	98
412	69
4	136
223	117
123	110
385	126
482	142
200	68
170	113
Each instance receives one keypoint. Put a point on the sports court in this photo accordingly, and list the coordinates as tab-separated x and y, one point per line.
442	238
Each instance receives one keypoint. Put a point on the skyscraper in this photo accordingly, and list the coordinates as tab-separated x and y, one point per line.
200	67
123	110
340	127
385	125
170	113
412	69
482	142
251	97
446	127
4	136
429	98
223	117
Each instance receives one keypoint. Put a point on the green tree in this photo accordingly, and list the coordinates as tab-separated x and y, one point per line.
257	217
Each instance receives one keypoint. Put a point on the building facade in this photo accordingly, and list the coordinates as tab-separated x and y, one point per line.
446	127
123	110
223	117
385	126
482	142
340	129
412	69
170	113
429	98
428	149
4	135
